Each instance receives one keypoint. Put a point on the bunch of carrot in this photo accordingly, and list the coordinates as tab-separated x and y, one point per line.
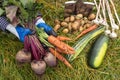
56	45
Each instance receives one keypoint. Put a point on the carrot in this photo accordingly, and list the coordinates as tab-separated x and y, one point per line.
60	57
63	38
65	52
86	31
54	41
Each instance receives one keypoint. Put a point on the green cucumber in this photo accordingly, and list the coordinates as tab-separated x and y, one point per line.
83	41
98	51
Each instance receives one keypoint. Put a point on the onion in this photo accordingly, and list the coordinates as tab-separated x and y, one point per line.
23	56
107	32
113	35
50	59
38	67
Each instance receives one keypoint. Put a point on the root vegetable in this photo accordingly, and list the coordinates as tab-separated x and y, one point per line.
65	30
60	57
57	26
50	59
38	66
63	38
70	26
23	56
75	25
85	18
82	22
91	16
72	18
57	21
56	42
64	24
87	25
86	31
65	52
67	19
81	28
79	16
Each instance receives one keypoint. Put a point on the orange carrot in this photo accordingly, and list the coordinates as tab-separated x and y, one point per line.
63	38
60	57
54	41
86	31
65	52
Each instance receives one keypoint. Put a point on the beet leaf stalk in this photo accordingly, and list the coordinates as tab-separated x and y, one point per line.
42	35
33	45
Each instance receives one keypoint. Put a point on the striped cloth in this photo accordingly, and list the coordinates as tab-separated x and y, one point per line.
3	23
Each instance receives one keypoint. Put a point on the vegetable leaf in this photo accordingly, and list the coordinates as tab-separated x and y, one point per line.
11	12
1	11
27	3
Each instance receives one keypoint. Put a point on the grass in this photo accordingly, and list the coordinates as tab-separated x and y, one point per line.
10	70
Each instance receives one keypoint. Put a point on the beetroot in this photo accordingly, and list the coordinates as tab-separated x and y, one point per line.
38	66
23	56
50	59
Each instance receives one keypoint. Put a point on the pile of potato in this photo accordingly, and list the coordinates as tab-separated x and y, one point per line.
74	23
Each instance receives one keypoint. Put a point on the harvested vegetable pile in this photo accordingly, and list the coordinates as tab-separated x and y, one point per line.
10	46
43	45
74	23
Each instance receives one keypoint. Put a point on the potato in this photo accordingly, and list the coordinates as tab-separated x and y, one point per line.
87	25
72	18
57	26
75	25
64	24
82	22
65	30
81	28
91	16
85	18
57	21
79	16
77	21
67	19
70	26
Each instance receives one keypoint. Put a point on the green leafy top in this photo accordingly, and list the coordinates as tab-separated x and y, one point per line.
27	9
1	11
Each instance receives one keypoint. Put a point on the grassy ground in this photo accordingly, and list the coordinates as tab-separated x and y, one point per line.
10	70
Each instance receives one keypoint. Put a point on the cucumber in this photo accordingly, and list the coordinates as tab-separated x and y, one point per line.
98	51
83	41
